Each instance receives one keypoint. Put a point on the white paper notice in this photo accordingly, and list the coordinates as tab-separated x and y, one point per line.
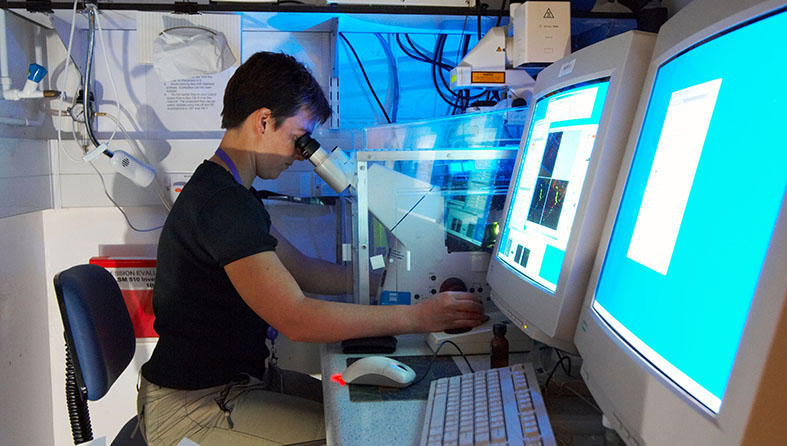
193	104
672	174
196	94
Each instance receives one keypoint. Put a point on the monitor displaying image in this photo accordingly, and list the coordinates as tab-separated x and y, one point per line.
549	180
699	208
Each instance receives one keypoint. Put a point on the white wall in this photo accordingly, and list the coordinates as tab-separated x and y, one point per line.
25	165
25	404
25	188
25	176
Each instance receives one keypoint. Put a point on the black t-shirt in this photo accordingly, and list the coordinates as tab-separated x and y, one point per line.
207	333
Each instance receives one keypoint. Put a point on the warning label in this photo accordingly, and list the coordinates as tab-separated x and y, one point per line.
136	278
488	77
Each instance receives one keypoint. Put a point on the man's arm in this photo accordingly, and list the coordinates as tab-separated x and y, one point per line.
312	275
271	291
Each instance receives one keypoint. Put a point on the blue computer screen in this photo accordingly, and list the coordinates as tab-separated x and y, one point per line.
696	217
549	181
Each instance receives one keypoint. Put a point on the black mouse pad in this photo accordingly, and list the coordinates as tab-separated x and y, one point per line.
443	366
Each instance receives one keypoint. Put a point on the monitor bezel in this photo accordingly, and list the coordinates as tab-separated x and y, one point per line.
551	317
522	155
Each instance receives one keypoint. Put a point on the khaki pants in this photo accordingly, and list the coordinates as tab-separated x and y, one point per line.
239	413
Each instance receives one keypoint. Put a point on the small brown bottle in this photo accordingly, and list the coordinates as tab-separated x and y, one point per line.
499	356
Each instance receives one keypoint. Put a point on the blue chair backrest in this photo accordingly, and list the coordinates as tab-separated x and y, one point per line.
97	322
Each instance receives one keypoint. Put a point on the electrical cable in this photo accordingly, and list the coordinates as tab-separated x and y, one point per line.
368	82
128	221
554	369
462	98
464	36
434	78
111	78
459	104
568	371
74	134
432	60
500	13
416	49
407	52
439	48
91	43
76	402
434	356
165	200
394	75
65	88
465	41
435	61
424	58
465	48
162	195
88	114
478	13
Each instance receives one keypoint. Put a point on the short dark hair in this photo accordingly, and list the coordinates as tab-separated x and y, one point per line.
276	81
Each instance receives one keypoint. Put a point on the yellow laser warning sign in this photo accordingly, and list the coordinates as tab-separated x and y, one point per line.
488	77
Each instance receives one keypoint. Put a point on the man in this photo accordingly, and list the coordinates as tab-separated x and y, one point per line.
223	275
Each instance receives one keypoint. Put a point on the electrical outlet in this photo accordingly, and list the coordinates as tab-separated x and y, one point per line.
175	183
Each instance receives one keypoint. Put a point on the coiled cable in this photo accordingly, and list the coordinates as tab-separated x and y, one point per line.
78	413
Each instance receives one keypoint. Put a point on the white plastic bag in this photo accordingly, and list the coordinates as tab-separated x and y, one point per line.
185	51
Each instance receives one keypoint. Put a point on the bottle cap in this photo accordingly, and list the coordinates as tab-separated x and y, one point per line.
499	329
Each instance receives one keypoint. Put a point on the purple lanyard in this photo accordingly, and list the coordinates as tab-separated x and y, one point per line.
234	170
272	333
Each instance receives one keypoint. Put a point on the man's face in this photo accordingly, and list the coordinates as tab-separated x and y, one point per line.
280	151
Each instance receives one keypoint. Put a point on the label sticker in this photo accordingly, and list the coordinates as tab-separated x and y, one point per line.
377	262
395	298
567	68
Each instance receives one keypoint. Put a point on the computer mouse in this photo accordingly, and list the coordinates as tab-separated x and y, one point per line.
379	371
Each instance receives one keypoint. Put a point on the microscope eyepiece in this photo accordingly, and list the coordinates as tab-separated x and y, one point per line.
307	145
327	165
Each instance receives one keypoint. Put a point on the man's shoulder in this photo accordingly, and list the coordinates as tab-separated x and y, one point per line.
208	182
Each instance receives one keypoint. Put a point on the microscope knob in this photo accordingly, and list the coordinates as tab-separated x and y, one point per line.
453	284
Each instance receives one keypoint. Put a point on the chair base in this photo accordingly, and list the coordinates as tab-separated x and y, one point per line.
129	435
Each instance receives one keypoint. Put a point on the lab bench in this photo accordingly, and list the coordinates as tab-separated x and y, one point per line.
396	422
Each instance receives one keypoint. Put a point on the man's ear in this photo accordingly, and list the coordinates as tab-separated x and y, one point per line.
263	120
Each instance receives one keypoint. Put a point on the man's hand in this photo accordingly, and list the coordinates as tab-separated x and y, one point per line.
449	309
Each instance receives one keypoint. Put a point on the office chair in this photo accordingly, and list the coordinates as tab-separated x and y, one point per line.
100	343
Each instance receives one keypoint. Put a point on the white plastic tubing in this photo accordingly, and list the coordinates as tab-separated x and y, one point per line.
5	77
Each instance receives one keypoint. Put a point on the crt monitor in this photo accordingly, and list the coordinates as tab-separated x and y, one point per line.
690	281
563	179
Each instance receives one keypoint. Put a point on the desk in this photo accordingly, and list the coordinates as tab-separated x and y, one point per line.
394	423
399	423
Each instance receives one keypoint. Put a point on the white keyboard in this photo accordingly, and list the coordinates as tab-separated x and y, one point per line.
490	407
